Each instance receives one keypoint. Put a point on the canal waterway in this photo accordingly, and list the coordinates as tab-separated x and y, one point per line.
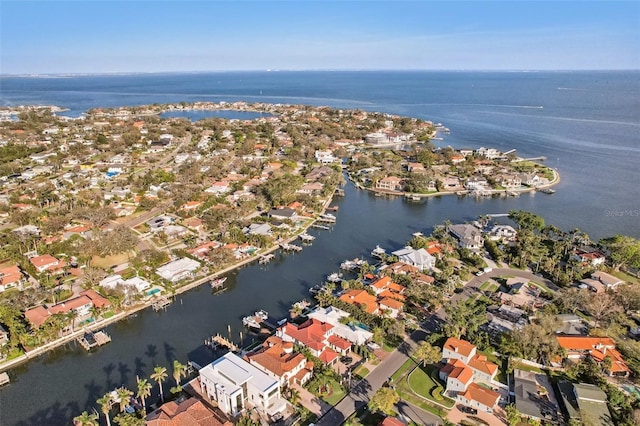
586	124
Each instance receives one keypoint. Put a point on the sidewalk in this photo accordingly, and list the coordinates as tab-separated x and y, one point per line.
311	402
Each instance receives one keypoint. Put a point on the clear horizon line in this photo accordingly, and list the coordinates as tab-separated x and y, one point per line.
268	70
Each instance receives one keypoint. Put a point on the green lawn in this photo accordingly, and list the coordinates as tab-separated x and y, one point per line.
408	395
628	278
485	285
525	367
501	376
361	371
336	395
408	365
422	383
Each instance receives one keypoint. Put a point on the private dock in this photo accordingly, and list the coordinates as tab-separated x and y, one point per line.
340	192
217	341
160	304
332	208
92	340
264	259
306	237
290	247
4	379
318	226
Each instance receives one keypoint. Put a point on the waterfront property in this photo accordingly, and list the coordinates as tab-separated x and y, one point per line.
318	336
80	305
178	269
190	411
236	385
332	315
278	359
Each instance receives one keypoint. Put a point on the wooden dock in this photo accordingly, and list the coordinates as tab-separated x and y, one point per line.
318	226
290	247
266	258
217	341
92	340
160	304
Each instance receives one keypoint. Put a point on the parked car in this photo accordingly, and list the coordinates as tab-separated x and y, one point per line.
467	410
346	360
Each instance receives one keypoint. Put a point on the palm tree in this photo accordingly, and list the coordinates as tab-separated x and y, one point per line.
124	395
159	375
144	391
179	370
105	406
86	419
294	396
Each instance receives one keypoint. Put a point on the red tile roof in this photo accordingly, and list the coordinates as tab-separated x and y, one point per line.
10	275
311	333
480	363
463	347
362	299
339	342
328	356
277	356
190	412
478	393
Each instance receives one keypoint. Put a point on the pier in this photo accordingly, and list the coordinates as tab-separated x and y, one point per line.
326	219
92	340
216	341
340	192
264	259
290	247
161	304
306	237
318	226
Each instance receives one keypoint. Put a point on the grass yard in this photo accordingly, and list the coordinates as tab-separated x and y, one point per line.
361	371
109	261
408	365
337	393
421	382
526	367
628	278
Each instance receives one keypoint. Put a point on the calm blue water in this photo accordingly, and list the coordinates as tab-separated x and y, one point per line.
588	128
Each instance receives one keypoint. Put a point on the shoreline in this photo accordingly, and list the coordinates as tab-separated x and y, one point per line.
97	325
556	180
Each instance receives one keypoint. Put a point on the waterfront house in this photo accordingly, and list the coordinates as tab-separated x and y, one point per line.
137	283
312	188
489	153
468	236
351	332
477	183
362	299
188	412
509	181
277	359
390	183
12	277
258	229
502	233
80	304
588	256
599	348
236	385
319	337
283	214
391	306
179	269
420	258
325	157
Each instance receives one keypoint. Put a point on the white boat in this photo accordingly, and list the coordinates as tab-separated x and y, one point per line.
250	322
306	237
328	216
378	252
348	265
335	277
262	314
218	282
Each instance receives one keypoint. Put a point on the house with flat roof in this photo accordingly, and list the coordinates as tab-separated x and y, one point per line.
236	385
332	315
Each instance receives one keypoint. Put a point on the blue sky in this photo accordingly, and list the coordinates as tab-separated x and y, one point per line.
164	36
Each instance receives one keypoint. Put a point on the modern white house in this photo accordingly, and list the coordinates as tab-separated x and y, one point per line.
332	315
178	269
112	281
236	385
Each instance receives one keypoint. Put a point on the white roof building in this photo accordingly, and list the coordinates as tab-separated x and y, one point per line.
332	315
178	269
234	384
140	284
418	258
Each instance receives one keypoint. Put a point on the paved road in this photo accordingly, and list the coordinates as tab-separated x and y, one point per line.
363	390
